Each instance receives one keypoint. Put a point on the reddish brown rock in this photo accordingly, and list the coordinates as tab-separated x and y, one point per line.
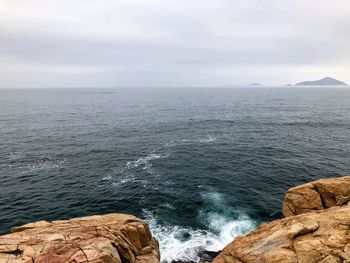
316	228
321	236
317	195
114	238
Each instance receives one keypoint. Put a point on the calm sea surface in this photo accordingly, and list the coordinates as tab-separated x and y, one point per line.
202	165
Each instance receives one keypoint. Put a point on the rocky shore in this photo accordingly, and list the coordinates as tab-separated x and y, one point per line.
315	228
112	238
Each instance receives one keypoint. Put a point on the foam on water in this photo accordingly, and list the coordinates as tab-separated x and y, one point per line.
42	165
15	155
187	244
107	178
207	140
144	161
126	173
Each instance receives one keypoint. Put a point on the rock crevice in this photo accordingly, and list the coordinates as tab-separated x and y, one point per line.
318	195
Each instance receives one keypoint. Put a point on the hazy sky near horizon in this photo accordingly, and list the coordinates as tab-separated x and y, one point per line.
90	43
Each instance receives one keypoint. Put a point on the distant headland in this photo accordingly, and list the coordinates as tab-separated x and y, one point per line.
327	81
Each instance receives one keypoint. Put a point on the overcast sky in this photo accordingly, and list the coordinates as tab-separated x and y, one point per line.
78	43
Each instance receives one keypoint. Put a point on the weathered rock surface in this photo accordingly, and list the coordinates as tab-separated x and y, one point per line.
114	238
317	195
316	228
321	236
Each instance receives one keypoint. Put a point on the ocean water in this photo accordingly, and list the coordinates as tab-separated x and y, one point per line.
201	165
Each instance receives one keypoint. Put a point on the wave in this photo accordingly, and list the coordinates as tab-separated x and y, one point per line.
144	161
207	139
178	243
107	178
167	206
125	174
15	155
42	166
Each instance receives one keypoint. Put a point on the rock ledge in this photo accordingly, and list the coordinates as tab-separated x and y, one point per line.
113	238
317	195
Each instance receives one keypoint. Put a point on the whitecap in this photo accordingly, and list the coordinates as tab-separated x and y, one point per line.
43	165
167	205
107	178
125	174
144	161
207	140
118	181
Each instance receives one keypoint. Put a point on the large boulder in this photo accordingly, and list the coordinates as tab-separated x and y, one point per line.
317	195
113	238
321	236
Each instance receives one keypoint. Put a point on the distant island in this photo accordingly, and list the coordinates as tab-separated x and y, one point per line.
322	82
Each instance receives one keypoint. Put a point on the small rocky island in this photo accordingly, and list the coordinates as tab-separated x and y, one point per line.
315	228
327	81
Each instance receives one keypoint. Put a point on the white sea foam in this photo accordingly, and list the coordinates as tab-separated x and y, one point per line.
15	155
204	140
167	205
107	178
123	179
43	165
209	139
125	174
186	244
144	161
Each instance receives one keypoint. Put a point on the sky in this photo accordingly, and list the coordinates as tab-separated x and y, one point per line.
163	43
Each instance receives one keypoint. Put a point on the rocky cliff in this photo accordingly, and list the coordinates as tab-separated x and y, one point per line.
316	228
114	238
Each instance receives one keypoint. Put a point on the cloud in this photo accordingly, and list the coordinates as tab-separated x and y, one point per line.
154	42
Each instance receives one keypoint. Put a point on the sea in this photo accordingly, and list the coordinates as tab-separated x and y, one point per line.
200	165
